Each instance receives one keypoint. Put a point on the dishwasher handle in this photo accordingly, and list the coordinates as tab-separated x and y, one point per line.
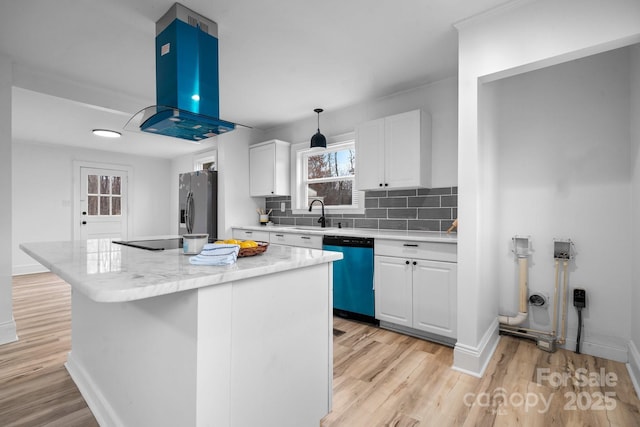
357	242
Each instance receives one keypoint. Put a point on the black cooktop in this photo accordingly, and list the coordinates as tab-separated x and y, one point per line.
152	245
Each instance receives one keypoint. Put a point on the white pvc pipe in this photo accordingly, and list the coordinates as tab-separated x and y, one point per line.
522	280
565	264
513	320
555	301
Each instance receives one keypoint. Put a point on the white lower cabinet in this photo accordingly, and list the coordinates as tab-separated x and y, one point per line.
279	238
434	297
258	236
293	239
393	290
416	293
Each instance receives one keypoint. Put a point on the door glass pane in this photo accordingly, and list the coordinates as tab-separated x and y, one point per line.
104	205
115	185
93	203
92	184
332	193
115	206
104	185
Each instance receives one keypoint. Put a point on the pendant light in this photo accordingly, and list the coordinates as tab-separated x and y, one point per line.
318	141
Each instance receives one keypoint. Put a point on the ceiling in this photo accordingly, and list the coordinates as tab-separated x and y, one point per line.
278	60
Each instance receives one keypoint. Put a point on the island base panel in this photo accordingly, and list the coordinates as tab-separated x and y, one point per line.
245	353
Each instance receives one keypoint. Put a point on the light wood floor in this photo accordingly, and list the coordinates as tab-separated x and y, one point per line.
380	378
35	388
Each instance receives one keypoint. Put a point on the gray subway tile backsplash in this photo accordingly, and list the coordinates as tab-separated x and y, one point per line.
410	213
392	202
424	201
434	213
428	209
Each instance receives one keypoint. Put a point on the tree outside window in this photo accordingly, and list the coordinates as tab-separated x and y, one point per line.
330	176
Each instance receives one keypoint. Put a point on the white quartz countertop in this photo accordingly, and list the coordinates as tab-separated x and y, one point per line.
407	235
108	272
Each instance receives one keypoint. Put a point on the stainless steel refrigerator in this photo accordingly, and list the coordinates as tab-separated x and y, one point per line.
198	203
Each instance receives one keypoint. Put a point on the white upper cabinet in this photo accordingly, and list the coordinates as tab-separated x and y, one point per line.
394	152
269	169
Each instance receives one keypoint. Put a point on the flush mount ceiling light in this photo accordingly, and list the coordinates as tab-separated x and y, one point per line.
106	133
318	141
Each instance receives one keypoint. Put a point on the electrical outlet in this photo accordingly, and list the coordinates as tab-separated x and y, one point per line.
283	206
579	298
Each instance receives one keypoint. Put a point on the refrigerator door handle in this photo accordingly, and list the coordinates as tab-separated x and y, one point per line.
189	213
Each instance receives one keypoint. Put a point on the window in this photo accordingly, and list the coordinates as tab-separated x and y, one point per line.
103	195
328	175
206	161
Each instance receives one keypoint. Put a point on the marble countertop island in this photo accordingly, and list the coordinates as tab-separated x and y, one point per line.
156	341
108	272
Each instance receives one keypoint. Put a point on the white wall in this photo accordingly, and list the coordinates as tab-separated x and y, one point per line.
634	345
563	171
519	37
43	189
7	325
438	99
235	207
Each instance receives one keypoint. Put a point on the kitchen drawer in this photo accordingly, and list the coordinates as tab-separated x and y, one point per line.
421	250
292	239
262	236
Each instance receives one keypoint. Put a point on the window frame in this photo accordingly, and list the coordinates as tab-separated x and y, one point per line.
299	154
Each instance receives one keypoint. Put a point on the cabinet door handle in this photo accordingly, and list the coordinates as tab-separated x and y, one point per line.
279	235
415	263
411	245
248	233
305	237
406	262
380	184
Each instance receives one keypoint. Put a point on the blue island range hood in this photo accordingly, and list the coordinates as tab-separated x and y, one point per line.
187	90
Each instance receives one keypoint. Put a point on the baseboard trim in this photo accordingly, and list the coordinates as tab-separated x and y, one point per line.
474	360
21	270
449	342
633	366
102	411
8	332
605	351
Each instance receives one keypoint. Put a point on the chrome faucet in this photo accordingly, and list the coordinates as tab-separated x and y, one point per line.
321	220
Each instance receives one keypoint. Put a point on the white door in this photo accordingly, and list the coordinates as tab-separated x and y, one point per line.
402	160
103	203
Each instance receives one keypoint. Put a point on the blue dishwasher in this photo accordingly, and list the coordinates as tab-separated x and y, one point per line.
352	277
